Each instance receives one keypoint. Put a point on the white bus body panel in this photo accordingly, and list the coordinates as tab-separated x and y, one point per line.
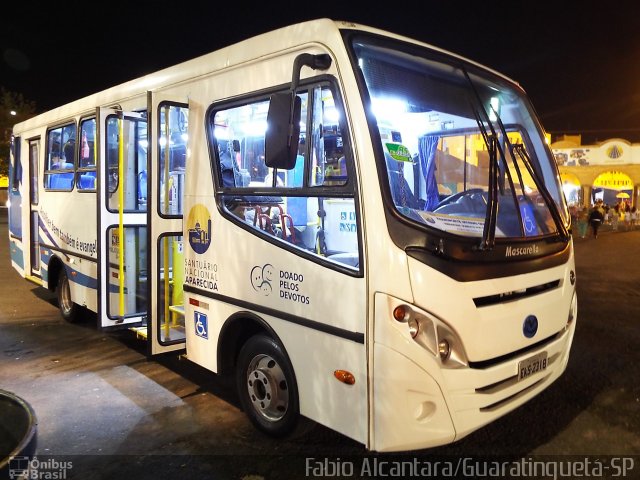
314	354
234	253
68	223
432	405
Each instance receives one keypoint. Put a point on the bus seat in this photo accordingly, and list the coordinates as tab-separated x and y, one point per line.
288	227
88	181
61	181
401	192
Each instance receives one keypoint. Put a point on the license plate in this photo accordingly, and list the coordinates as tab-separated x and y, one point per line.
532	365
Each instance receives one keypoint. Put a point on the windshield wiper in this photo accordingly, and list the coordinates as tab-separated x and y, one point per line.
491	215
495	154
520	150
493	148
551	204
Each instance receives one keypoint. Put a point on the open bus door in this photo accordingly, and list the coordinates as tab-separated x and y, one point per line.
122	219
34	222
168	140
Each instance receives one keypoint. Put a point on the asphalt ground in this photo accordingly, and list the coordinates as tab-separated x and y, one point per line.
111	412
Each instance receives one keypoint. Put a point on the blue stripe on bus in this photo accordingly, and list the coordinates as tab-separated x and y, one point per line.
73	274
15	215
45	256
82	279
115	288
42	226
16	254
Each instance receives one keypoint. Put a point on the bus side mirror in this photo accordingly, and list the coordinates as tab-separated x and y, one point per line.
283	134
283	120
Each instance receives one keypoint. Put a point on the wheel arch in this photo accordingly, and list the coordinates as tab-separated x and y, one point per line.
237	329
55	266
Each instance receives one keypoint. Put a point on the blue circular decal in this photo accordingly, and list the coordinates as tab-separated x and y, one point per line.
530	326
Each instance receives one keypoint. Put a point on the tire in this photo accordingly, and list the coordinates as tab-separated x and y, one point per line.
267	386
70	311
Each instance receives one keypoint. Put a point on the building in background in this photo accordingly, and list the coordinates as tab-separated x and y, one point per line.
609	171
4	186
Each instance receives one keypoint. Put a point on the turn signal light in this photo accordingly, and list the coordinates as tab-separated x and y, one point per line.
400	313
345	377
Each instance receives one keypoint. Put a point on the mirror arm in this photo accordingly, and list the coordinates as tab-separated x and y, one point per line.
316	62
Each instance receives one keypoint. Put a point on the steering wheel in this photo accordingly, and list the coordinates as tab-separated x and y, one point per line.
457	196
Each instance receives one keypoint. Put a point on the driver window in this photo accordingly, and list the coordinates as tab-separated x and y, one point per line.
239	143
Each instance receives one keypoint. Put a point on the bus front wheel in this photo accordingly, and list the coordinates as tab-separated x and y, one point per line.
70	311
267	387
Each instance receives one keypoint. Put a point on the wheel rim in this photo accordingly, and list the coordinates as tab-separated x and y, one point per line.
65	296
267	387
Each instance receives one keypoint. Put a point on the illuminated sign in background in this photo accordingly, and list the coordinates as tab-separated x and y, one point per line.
614	181
609	153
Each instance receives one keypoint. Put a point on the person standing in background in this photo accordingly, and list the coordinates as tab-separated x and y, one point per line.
596	217
614	214
583	221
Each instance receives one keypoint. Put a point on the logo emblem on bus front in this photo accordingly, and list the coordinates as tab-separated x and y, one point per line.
530	326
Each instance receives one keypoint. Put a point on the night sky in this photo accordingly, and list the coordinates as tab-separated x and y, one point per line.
578	61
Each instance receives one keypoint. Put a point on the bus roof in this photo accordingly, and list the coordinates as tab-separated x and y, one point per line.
326	30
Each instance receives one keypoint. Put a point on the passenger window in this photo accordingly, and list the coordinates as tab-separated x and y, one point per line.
293	206
86	171
60	160
172	158
134	157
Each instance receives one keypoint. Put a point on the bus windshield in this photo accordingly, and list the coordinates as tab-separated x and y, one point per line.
463	152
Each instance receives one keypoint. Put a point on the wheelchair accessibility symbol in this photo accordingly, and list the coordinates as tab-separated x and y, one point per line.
200	321
528	220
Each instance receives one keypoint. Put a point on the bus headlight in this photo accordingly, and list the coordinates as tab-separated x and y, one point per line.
432	334
444	349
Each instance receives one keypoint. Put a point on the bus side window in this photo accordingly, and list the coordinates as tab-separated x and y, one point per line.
86	172
60	159
291	206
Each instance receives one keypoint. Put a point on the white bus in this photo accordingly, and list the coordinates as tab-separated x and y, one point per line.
368	230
